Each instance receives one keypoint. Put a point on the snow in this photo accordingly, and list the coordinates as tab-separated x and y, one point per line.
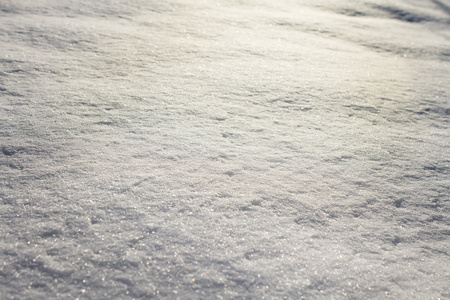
224	149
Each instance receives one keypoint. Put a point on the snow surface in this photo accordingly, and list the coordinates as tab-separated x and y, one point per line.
225	149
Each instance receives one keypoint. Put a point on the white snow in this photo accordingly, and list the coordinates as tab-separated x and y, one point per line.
224	149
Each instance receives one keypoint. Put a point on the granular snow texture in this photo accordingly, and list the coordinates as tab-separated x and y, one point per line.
224	149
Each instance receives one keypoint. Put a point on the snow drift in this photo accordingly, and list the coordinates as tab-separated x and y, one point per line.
224	149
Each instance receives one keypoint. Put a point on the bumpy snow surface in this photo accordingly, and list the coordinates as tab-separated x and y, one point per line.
224	149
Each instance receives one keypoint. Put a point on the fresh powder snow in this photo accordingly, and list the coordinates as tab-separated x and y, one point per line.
224	149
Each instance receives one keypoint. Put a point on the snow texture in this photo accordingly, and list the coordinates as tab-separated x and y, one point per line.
224	149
